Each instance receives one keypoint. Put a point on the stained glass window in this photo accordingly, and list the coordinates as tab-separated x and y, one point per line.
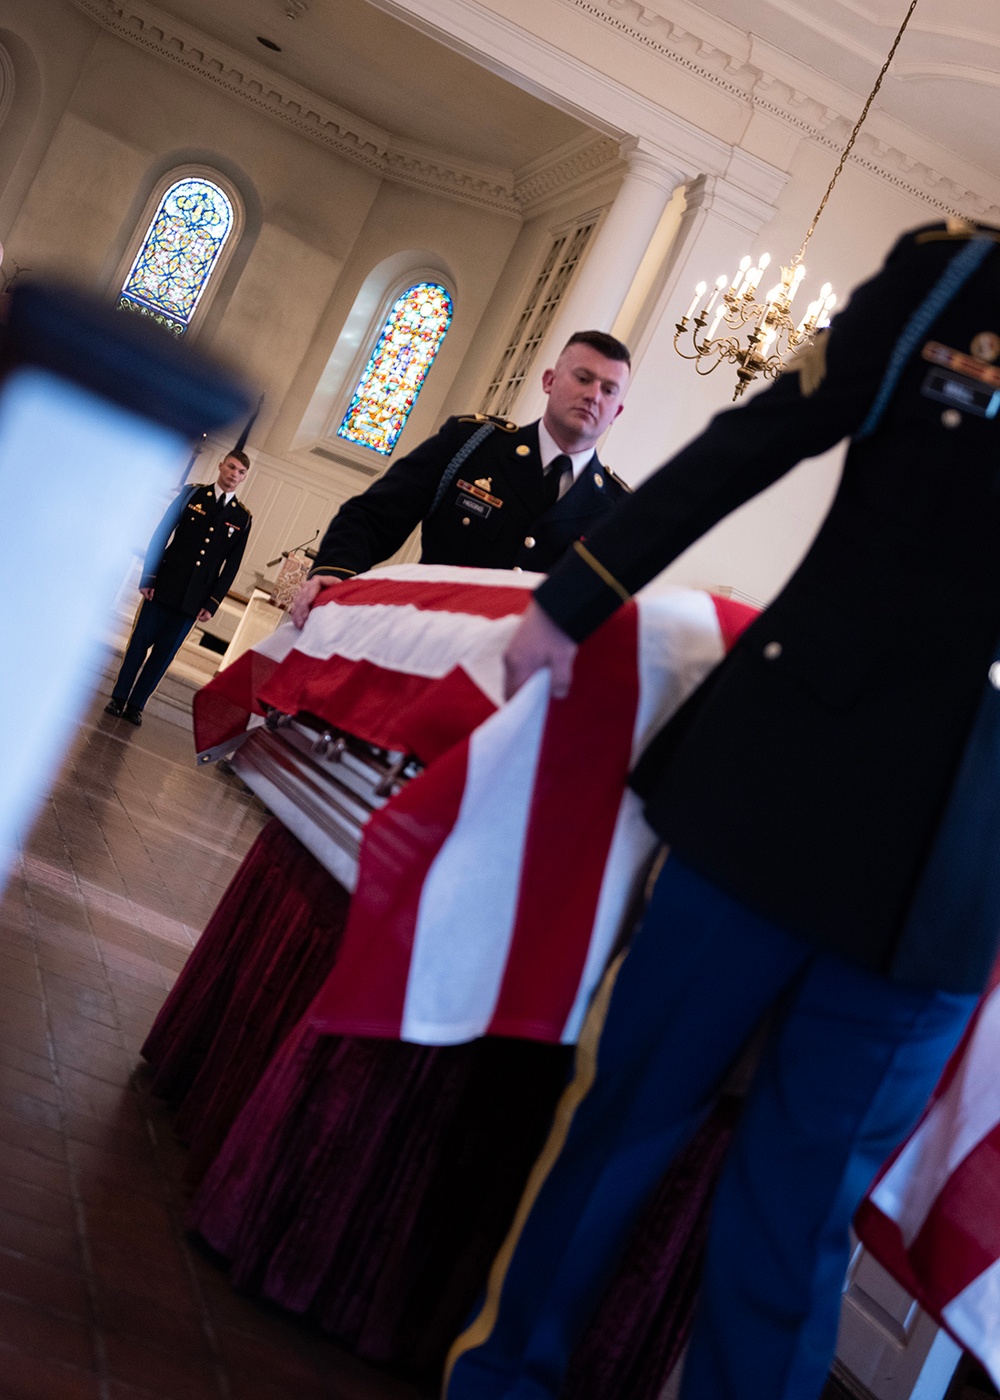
171	269
404	352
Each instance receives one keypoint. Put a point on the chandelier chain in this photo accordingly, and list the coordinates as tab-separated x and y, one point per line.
854	134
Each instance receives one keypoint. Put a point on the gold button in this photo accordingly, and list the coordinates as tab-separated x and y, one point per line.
994	674
466	520
529	541
523	451
516	569
951	418
772	651
197	563
598	479
201	551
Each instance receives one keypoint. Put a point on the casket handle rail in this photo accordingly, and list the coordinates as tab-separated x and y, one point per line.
391	781
329	746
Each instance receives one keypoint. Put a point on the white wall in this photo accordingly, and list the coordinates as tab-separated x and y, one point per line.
98	120
108	119
755	549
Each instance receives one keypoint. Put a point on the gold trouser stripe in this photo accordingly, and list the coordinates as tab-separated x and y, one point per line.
584	1071
601	572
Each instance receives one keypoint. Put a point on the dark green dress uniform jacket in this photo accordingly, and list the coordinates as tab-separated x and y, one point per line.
840	771
196	550
504	524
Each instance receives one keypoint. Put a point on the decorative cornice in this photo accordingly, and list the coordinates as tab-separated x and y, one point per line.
731	70
577	163
341	131
478	32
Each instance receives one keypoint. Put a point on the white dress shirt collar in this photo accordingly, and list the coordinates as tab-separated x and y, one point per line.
549	448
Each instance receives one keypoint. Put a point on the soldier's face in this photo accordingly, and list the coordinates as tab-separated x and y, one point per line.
585	392
231	473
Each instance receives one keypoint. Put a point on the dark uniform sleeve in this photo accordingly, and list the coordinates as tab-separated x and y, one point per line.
746	449
161	536
230	567
371	527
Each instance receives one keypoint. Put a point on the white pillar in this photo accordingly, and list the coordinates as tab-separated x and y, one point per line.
602	282
668	401
754	549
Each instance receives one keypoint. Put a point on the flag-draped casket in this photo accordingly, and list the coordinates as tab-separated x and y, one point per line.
489	891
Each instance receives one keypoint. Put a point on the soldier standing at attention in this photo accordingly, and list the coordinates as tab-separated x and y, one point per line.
486	492
190	566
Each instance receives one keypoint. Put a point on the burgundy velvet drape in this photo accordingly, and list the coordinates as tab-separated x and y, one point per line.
263	955
369	1183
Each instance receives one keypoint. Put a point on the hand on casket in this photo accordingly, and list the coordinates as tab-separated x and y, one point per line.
307	595
539	643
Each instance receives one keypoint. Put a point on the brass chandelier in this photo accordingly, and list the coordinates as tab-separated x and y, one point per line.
773	331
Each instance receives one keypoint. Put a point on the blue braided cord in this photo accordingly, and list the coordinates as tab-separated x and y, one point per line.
452	469
948	285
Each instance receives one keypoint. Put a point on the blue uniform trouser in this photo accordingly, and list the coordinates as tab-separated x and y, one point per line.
159	632
849	1061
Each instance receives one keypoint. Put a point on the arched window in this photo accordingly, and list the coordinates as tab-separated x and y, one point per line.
179	253
404	352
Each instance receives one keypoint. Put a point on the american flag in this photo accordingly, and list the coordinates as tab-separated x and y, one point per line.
492	888
932	1218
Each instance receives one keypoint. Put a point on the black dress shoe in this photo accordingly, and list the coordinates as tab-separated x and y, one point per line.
133	715
114	707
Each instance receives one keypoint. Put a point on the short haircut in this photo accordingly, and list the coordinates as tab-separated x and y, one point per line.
603	343
239	456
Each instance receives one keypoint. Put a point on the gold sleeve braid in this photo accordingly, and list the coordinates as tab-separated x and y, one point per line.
602	573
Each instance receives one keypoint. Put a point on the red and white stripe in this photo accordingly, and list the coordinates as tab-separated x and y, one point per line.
372	657
491	891
933	1216
492	888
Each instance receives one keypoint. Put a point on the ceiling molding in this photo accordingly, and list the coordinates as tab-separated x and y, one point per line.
338	130
573	167
884	26
559	77
964	72
779	94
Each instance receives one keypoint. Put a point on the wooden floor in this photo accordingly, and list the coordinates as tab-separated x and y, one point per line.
101	1295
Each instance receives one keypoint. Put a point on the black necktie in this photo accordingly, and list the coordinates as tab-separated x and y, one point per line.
553	476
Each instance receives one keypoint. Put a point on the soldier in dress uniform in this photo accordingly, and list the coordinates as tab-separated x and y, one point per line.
190	566
488	493
831	801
